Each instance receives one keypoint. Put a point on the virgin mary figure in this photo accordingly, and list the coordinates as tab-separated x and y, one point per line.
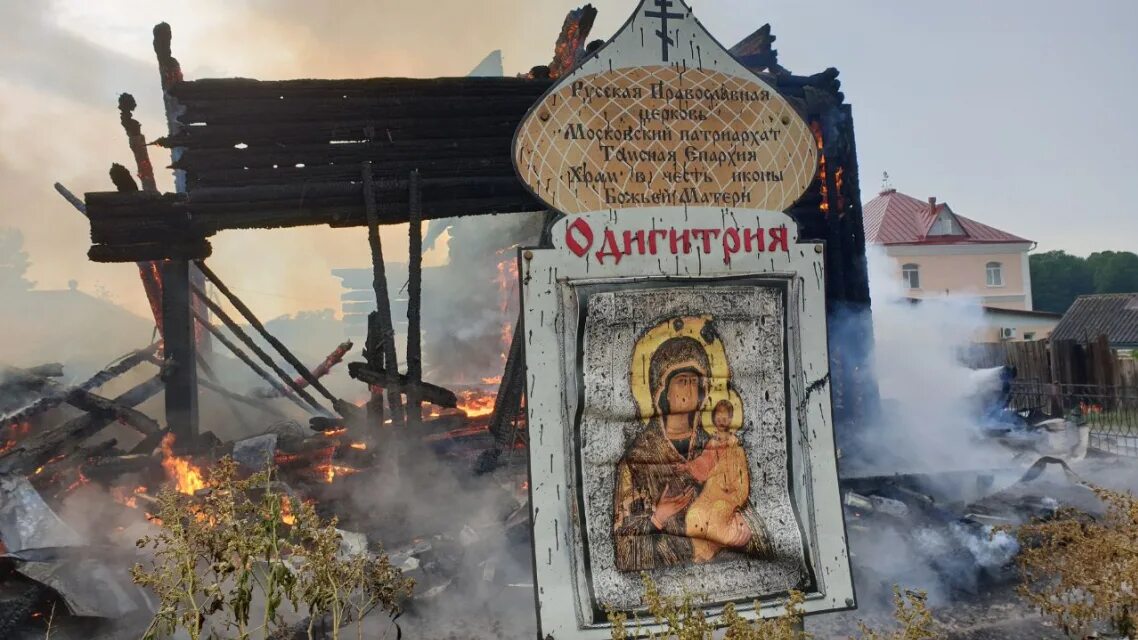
658	476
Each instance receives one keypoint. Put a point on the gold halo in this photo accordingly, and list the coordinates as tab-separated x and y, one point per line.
720	371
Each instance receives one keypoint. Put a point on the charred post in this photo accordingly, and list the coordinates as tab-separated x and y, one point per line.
180	350
414	294
381	333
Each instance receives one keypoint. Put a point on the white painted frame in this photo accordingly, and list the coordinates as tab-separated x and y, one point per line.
551	401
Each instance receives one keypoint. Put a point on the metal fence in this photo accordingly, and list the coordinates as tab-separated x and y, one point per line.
1111	412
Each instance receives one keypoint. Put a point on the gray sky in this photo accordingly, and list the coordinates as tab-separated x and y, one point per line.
1015	112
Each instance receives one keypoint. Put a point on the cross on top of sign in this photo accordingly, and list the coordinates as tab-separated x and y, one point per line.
664	15
670	121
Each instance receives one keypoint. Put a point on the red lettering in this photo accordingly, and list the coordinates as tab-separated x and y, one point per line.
753	239
778	238
638	237
730	243
610	244
673	238
706	235
582	228
652	239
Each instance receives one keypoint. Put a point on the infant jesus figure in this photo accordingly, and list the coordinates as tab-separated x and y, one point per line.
717	518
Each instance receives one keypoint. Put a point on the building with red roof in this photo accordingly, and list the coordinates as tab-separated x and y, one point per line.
938	252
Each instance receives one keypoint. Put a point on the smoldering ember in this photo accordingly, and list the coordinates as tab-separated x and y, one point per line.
612	390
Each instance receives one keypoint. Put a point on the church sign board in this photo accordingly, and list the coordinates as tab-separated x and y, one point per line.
677	368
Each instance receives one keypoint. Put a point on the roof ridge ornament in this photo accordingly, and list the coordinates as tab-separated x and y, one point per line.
663	116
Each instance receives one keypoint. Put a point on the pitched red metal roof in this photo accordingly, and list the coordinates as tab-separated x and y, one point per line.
895	218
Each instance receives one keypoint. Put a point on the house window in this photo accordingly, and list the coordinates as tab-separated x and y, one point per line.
911	274
995	274
1029	336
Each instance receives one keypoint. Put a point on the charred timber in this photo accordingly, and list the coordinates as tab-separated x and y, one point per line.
80	398
341	131
377	151
434	394
126	226
249	316
189	92
38	449
456	131
249	362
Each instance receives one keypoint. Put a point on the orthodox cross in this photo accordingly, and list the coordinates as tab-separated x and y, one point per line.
663	14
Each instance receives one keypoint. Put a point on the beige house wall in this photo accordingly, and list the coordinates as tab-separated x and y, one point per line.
961	270
1026	327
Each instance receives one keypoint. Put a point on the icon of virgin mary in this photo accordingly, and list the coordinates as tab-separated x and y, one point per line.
683	482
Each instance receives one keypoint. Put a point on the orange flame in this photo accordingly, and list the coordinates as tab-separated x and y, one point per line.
507	280
476	403
16	432
817	130
362	446
336	432
186	475
330	471
287	516
128	499
80	481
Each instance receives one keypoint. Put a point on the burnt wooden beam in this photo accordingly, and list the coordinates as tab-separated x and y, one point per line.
71	198
59	394
79	397
570	45
379	150
340	131
428	392
38	449
256	403
381	332
180	349
414	302
249	362
148	270
251	318
248	341
507	404
259	154
221	89
321	370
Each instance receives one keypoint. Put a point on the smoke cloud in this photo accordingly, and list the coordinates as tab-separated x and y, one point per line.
66	62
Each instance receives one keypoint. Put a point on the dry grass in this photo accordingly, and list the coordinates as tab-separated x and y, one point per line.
225	562
682	619
1082	572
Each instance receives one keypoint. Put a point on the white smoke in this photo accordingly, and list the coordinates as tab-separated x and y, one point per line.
930	410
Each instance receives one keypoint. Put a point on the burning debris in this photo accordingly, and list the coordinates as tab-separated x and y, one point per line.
81	473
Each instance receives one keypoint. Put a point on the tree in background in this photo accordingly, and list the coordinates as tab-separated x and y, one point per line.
1057	278
13	261
1114	271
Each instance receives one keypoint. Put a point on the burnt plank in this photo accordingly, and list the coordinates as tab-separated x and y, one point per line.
479	167
376	151
267	132
228	88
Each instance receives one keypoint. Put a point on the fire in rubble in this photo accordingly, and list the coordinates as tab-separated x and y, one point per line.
186	476
126	497
475	403
287	515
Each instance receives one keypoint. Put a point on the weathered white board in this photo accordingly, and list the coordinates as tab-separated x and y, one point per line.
678	389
